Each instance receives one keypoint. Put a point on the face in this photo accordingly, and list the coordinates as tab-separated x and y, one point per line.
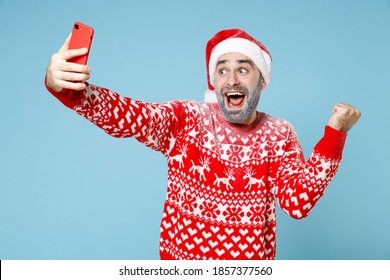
238	84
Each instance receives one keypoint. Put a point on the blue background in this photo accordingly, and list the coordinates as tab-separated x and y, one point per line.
69	191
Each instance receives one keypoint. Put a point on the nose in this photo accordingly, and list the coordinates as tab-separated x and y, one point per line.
233	79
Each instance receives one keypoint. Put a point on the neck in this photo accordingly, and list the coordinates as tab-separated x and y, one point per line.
252	118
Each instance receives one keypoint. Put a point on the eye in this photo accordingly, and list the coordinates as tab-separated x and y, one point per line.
243	71
222	72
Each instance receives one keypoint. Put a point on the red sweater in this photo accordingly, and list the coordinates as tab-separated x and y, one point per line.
223	179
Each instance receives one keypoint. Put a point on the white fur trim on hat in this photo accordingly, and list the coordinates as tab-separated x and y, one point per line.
239	45
210	96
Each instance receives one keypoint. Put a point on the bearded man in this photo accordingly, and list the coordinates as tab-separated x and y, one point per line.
228	164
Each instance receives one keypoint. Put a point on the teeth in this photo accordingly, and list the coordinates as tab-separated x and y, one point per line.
229	94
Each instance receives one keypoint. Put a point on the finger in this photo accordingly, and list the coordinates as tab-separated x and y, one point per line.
71	85
72	77
68	54
74	67
356	112
336	108
65	46
62	70
341	107
348	109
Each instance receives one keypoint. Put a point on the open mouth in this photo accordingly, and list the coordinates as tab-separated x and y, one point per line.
234	100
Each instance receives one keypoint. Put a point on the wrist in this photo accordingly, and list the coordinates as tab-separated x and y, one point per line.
51	88
332	143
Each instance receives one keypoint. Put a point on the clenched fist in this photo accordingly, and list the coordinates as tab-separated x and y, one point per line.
344	117
61	74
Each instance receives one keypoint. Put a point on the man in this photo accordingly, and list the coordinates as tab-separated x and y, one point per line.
227	163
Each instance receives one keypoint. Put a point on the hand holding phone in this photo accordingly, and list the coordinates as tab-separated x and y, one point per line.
72	75
81	37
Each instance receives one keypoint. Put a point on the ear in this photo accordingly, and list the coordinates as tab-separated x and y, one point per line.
263	84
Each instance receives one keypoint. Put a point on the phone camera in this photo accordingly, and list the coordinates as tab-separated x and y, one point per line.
76	26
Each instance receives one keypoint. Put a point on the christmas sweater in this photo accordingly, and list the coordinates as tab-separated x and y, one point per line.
224	179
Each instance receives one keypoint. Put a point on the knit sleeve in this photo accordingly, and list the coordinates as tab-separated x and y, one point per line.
299	183
155	125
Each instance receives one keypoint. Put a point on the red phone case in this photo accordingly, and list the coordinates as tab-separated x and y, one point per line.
82	36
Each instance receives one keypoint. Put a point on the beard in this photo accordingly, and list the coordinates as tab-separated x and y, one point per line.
241	114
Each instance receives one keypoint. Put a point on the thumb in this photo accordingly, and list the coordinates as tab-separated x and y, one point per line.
65	46
337	107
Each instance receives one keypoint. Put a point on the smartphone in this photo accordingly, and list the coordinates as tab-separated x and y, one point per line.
81	37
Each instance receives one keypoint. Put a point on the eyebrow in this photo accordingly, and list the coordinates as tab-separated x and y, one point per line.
239	61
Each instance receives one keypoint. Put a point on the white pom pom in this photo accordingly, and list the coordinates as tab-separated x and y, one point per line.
210	96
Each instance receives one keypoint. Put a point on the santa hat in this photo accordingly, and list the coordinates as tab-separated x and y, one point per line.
235	40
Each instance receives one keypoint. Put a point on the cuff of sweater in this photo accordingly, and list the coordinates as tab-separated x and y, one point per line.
69	98
332	144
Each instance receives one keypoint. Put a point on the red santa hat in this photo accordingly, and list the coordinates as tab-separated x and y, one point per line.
238	41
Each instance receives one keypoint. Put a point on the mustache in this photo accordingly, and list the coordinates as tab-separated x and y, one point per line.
242	89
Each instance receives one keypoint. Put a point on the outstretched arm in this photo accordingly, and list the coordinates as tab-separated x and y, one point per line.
153	124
